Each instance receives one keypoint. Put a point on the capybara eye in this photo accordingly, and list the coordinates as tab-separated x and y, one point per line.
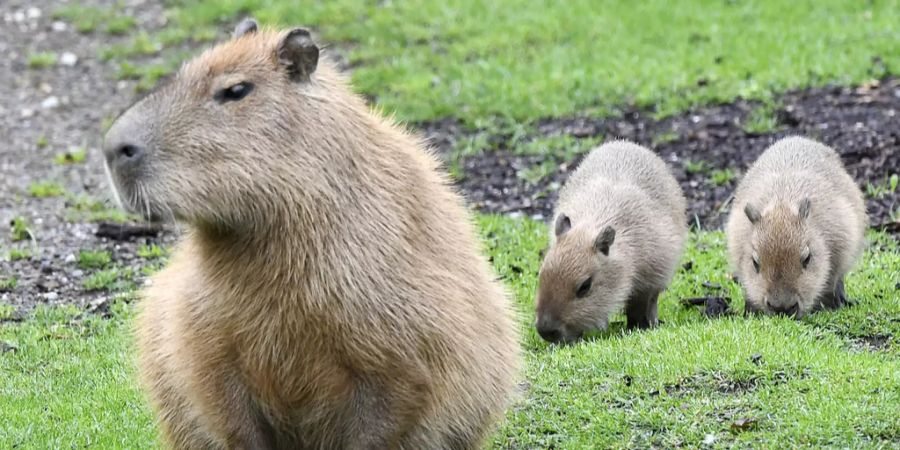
755	264
807	259
234	92
584	288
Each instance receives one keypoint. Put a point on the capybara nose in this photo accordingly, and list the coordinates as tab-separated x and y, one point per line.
788	308
549	334
123	155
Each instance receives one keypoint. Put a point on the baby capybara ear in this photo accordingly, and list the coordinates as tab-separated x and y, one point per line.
562	224
247	25
605	240
752	213
298	54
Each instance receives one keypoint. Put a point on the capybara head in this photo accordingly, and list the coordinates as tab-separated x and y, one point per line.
580	282
222	140
788	262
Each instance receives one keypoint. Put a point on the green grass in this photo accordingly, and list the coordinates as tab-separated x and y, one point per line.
93	259
42	141
42	60
120	25
19	230
762	119
426	59
70	383
693	167
799	383
73	156
113	279
17	254
45	189
151	251
8	283
721	177
885	187
82	208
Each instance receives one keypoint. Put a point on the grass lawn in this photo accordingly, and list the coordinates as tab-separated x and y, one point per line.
527	59
772	382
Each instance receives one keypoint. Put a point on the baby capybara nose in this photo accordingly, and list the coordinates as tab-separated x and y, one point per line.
123	154
549	334
787	308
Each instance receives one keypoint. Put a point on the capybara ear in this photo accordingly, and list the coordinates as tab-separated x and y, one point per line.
563	224
752	213
247	25
605	240
298	54
803	208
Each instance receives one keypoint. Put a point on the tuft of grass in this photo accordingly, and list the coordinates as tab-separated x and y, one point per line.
8	284
762	119
19	229
119	25
93	259
695	167
112	279
45	189
17	254
42	60
73	156
83	208
885	187
85	19
721	177
42	141
665	138
151	251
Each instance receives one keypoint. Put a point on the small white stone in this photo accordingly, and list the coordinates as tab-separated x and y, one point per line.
18	16
148	282
50	102
77	273
27	112
70	259
46	88
58	26
50	296
68	59
709	439
33	13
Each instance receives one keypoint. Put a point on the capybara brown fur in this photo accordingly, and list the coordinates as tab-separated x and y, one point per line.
329	291
617	235
797	226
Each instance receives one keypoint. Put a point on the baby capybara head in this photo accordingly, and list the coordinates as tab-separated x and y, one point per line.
788	262
580	282
223	140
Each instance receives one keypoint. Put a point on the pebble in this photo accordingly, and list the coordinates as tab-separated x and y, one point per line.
18	16
51	296
77	273
27	112
709	439
45	88
68	59
58	26
70	259
50	102
33	13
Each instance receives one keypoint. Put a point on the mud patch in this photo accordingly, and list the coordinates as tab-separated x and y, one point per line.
708	149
